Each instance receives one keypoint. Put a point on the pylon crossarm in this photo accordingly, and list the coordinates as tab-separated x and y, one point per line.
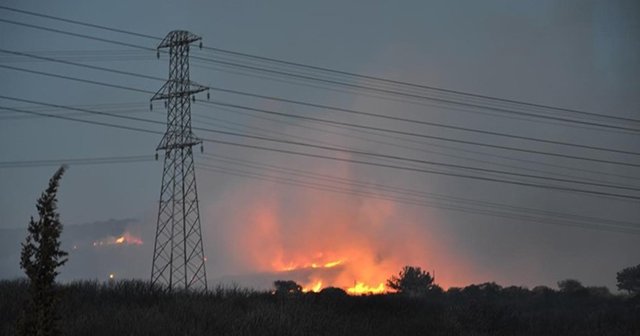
189	88
178	38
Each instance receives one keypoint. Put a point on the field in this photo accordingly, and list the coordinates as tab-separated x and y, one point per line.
133	308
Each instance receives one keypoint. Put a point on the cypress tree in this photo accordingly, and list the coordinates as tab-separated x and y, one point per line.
40	258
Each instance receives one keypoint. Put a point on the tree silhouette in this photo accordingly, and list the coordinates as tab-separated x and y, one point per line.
629	279
571	286
412	281
333	292
287	287
40	257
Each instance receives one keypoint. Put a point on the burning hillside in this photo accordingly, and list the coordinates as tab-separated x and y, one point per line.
125	239
325	240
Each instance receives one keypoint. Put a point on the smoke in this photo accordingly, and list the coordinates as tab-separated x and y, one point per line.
337	239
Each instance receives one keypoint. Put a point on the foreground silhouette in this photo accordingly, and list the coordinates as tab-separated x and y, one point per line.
134	308
40	258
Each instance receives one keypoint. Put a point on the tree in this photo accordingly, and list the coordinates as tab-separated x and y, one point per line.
599	291
570	286
333	292
287	287
40	258
412	281
629	279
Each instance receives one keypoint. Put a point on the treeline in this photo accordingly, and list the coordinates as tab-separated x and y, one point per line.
38	306
134	308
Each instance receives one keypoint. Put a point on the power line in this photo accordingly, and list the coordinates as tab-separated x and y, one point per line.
404	191
397	145
102	55
334	108
91	122
319	186
375	164
484	161
357	152
75	161
88	66
147	131
124	108
386	130
64	32
419	161
420	86
88	81
420	170
103	124
329	70
284	79
566	156
57	18
422	122
469	104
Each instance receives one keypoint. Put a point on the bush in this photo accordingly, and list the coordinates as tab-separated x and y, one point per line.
412	281
287	287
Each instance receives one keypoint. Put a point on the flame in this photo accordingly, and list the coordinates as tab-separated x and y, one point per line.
333	263
125	239
322	240
315	288
316	285
360	288
293	266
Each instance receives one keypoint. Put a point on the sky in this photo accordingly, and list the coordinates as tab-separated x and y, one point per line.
580	55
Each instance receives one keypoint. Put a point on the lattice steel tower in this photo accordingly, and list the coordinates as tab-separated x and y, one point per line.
178	254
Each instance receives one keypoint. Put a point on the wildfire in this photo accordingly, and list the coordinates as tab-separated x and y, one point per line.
293	266
125	239
315	288
333	264
360	288
319	277
320	241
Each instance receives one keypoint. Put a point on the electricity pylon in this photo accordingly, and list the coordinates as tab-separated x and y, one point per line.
178	254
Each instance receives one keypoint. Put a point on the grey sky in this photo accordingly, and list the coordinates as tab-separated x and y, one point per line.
574	54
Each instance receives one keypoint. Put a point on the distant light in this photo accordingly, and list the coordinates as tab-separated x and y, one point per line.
111	276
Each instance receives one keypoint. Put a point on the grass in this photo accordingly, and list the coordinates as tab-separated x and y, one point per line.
133	308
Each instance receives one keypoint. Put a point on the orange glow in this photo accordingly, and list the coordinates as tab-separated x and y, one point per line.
322	240
333	264
129	239
315	288
360	288
125	239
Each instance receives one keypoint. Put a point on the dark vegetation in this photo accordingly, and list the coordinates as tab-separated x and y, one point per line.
629	279
40	258
37	306
413	281
287	287
133	308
